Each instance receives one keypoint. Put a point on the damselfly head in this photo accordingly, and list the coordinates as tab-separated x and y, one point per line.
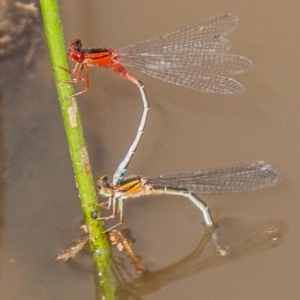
75	51
104	188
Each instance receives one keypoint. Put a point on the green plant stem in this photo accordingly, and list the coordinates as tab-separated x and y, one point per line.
77	146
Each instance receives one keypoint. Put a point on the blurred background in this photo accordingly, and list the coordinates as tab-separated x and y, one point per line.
186	131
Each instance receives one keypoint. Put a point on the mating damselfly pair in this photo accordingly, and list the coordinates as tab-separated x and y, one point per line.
195	57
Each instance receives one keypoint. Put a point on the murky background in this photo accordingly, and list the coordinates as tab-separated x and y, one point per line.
187	130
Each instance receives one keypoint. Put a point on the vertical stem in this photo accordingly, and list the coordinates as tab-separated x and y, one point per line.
77	146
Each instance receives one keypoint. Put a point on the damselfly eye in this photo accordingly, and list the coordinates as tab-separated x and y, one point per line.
103	182
104	188
75	51
76	56
76	45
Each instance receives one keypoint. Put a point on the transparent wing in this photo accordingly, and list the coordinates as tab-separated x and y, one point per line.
238	178
193	57
208	34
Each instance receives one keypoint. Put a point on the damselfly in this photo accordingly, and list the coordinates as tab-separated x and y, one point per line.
194	57
244	177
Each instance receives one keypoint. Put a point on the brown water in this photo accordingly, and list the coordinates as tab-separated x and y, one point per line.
187	131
